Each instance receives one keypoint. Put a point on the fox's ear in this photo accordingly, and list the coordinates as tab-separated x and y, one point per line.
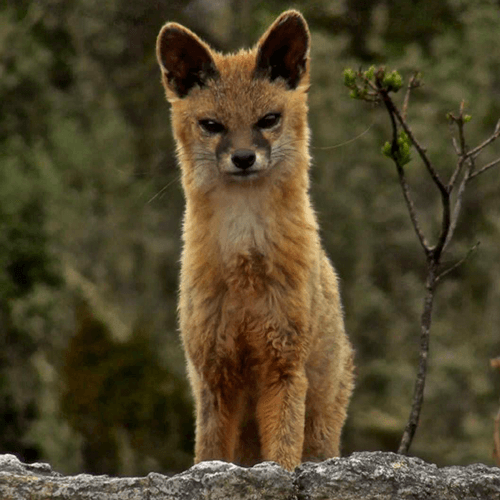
283	51
184	59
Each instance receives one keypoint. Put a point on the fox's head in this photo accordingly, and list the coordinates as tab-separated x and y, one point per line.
239	118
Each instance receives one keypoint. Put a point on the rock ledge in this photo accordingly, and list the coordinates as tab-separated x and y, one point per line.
361	476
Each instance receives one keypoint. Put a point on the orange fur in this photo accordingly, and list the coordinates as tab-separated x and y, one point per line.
260	315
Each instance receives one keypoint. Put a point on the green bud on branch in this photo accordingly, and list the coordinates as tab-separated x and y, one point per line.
349	78
369	73
402	154
392	81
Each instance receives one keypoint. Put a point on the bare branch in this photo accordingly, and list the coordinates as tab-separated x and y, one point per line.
464	158
494	163
421	151
458	168
475	152
455	145
444	273
411	208
418	392
460	149
412	84
458	205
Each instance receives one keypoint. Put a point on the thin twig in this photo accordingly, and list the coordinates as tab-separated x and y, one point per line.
458	168
421	151
494	163
453	140
474	152
341	144
444	273
458	203
459	149
413	83
464	158
411	208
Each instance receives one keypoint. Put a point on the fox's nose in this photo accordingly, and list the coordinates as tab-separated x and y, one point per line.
243	158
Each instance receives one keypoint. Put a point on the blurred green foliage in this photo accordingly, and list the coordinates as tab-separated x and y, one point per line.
91	371
132	413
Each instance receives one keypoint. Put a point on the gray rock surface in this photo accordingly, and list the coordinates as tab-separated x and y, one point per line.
362	476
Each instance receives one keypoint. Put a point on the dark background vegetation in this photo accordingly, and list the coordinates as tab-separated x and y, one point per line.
91	372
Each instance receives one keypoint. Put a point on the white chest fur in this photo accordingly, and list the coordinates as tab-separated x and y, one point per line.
240	223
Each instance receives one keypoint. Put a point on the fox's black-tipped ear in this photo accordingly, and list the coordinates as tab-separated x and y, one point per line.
283	51
184	59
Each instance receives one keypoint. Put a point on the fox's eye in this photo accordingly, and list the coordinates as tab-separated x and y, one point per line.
211	126
269	121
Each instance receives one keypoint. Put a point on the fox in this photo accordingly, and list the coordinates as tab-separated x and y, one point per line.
262	326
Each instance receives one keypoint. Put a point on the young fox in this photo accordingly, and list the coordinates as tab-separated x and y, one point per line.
269	363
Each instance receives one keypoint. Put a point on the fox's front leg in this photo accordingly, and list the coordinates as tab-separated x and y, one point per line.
218	413
281	415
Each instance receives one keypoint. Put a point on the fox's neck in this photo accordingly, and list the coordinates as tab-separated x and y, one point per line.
238	220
